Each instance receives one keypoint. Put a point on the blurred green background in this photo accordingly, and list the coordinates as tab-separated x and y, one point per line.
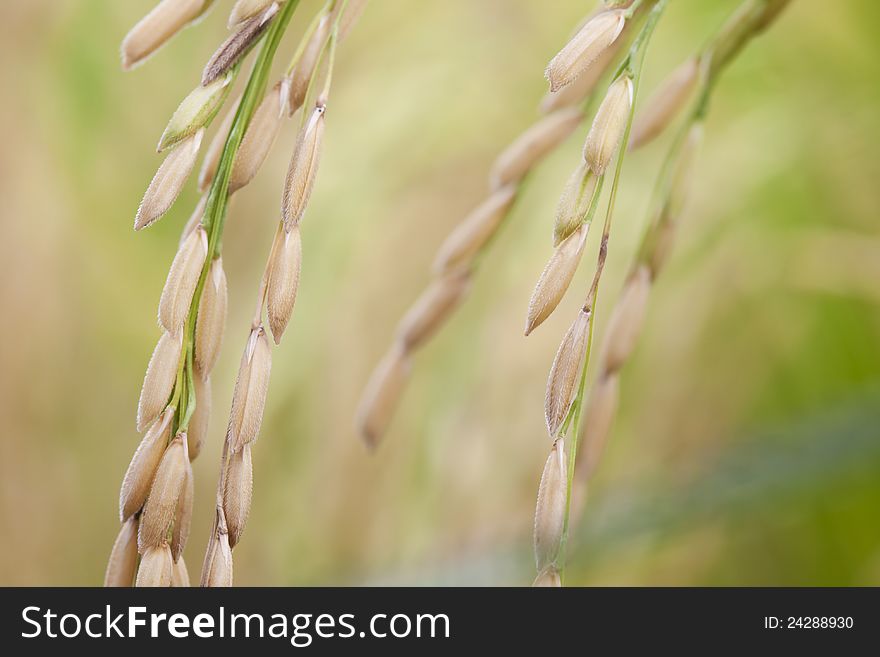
746	451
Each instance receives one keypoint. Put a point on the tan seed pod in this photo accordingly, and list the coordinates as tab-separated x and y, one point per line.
474	232
183	514
582	86
626	320
168	181
303	169
382	394
159	379
432	309
598	419
581	192
305	67
550	509
549	577
666	103
217	568
215	148
194	219
179	574
259	138
237	493
584	48
352	11
251	387
609	125
122	565
565	373
242	10
156	567
211	320
153	30
198	423
284	271
141	470
195	111
165	492
532	145
238	44
183	277
556	278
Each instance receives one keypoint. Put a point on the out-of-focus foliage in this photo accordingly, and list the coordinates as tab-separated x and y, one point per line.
746	449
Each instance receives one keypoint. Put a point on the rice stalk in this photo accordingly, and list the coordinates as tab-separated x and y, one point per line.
627	319
156	500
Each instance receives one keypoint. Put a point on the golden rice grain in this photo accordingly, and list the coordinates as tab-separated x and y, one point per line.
183	277
305	67
211	318
168	181
238	492
140	472
581	192
599	417
165	492
303	169
532	146
259	138
583	85
626	320
565	373
122	565
153	30
584	48
474	232
555	278
156	567
183	512
609	125
665	104
382	394
550	508
432	309
198	423
217	569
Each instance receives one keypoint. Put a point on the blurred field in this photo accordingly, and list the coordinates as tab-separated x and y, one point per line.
747	450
